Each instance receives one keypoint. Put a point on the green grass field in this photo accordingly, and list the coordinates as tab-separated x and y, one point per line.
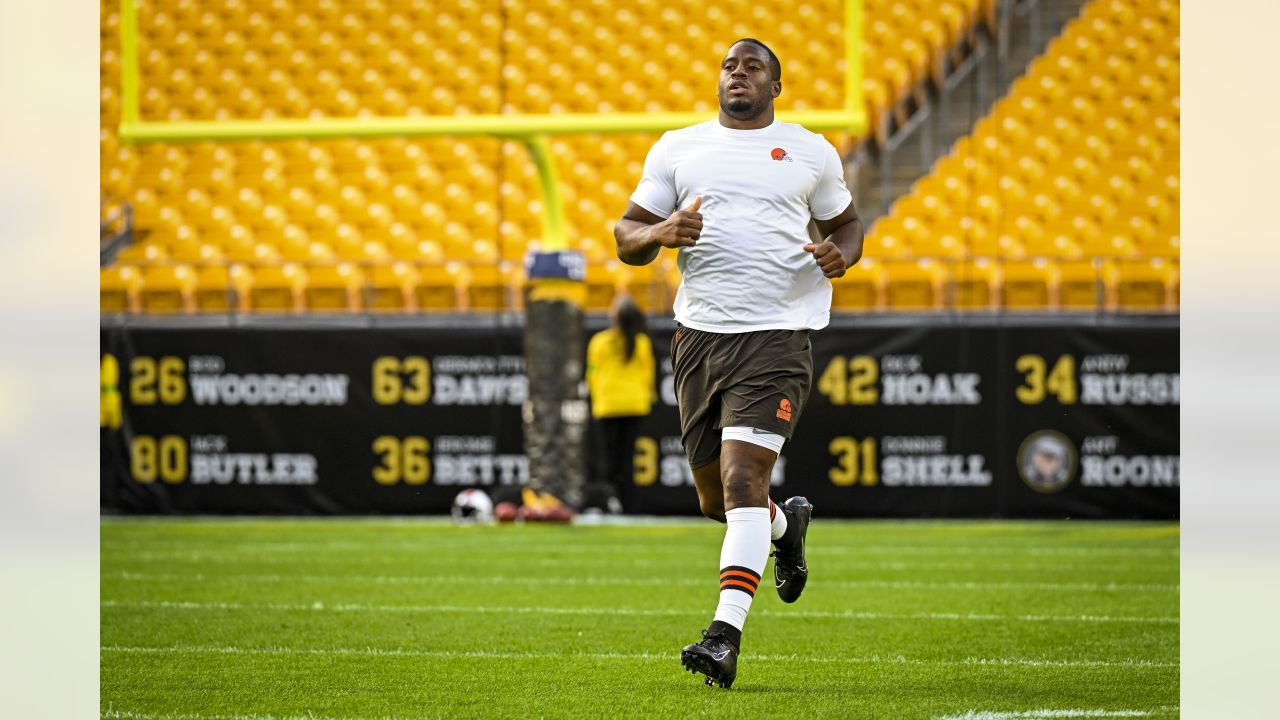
323	619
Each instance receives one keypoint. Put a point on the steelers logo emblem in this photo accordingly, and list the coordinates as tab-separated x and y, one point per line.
1047	461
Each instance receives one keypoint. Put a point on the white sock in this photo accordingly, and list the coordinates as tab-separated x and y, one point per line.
777	522
742	560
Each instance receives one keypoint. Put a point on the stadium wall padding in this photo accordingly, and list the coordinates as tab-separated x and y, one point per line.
910	416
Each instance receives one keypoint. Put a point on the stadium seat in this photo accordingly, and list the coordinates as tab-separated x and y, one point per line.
885	240
1141	285
334	288
391	287
647	286
142	254
118	288
492	287
913	284
440	287
167	289
1030	284
277	288
975	284
860	288
1054	244
1082	284
222	288
604	281
197	253
1108	245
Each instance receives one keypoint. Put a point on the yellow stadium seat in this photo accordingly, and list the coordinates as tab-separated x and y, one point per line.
423	251
240	244
940	244
277	288
975	284
440	287
647	287
391	287
603	282
1082	284
1141	285
860	288
168	289
334	288
1161	246
913	284
885	240
999	245
491	287
221	288
1108	245
118	288
143	254
1030	284
198	253
1060	244
265	254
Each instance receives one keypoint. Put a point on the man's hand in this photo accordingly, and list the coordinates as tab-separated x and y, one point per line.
682	229
829	258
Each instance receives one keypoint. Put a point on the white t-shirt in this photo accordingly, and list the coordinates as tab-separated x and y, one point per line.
759	188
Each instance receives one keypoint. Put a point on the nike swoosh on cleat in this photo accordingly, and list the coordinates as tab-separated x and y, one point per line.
721	656
780	583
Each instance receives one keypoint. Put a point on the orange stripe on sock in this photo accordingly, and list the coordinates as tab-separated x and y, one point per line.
773	509
737	585
740	569
735	575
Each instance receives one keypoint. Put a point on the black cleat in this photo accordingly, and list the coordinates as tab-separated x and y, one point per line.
790	571
716	657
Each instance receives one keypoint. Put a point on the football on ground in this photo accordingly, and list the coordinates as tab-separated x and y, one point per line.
364	619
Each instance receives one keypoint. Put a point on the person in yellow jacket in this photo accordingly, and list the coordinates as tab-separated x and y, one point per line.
620	379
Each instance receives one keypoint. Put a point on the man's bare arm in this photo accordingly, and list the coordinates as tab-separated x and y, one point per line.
640	234
842	248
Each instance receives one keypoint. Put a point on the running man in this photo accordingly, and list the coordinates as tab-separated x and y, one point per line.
753	286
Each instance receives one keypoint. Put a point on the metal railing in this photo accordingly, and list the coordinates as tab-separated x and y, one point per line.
115	229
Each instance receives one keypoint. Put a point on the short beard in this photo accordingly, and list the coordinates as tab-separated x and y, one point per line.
742	108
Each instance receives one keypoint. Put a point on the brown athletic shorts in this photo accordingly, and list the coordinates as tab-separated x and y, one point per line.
755	379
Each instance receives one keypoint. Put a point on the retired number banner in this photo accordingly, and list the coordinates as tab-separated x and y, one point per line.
908	417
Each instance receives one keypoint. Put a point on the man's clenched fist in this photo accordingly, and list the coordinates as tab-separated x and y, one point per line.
682	229
828	257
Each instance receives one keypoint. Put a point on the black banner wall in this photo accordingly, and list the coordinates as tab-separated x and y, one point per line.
985	416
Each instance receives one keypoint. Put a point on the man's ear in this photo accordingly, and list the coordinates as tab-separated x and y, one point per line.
777	88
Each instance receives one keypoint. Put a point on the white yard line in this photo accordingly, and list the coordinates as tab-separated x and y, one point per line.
1049	713
915	563
504	545
480	609
623	581
663	657
236	553
112	714
128	715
